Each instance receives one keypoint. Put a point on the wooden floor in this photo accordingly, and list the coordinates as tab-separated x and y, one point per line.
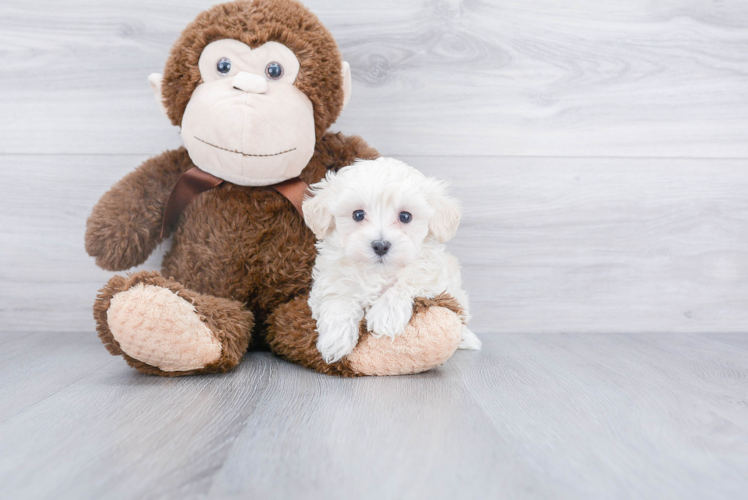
600	148
531	416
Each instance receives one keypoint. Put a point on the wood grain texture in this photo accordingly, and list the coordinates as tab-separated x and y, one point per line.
531	416
452	77
547	245
600	150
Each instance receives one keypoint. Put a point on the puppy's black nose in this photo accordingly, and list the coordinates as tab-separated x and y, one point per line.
380	246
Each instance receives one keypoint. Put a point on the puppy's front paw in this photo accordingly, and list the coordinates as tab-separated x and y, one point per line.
336	338
469	340
389	316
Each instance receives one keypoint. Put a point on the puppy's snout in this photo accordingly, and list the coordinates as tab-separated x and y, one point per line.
380	246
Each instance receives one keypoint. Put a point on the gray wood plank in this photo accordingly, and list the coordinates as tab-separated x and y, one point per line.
530	416
619	416
26	374
547	245
118	434
374	438
580	78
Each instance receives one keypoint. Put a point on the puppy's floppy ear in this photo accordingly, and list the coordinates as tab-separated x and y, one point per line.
447	211
316	208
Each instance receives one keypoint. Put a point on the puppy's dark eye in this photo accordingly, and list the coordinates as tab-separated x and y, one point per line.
405	217
223	66
274	70
359	215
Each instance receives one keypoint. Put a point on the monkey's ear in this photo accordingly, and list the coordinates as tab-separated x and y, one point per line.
347	84
155	80
447	211
316	208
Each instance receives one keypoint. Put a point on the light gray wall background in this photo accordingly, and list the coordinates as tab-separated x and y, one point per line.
599	147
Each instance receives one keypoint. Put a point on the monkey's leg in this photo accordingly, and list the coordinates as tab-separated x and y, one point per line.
430	338
162	328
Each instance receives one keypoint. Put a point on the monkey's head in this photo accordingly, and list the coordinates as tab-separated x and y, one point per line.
254	85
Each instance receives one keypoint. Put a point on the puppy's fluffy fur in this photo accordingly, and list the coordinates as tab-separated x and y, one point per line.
351	280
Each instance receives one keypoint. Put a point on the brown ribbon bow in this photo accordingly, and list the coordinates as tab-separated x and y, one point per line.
195	181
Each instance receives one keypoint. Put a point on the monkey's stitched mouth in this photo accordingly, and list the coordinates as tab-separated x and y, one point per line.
240	152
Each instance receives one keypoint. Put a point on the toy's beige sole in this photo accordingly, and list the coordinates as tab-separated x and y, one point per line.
428	341
156	326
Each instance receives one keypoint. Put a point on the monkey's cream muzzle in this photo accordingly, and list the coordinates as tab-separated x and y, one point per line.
246	122
244	126
249	137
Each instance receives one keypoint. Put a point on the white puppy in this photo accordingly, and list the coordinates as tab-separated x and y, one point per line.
381	225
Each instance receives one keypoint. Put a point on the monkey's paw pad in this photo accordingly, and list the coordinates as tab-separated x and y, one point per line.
428	341
156	326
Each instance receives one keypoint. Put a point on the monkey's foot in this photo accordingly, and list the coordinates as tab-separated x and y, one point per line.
431	337
162	328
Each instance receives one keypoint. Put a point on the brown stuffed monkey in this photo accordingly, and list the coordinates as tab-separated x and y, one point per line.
254	86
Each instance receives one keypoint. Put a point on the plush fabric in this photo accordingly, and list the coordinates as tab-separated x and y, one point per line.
256	22
226	138
241	256
155	325
292	334
124	226
430	339
245	59
228	321
243	126
249	82
245	244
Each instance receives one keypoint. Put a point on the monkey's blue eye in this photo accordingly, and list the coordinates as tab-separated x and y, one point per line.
359	215
405	217
223	66
274	70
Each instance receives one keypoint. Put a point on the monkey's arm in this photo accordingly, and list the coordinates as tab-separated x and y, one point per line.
125	225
